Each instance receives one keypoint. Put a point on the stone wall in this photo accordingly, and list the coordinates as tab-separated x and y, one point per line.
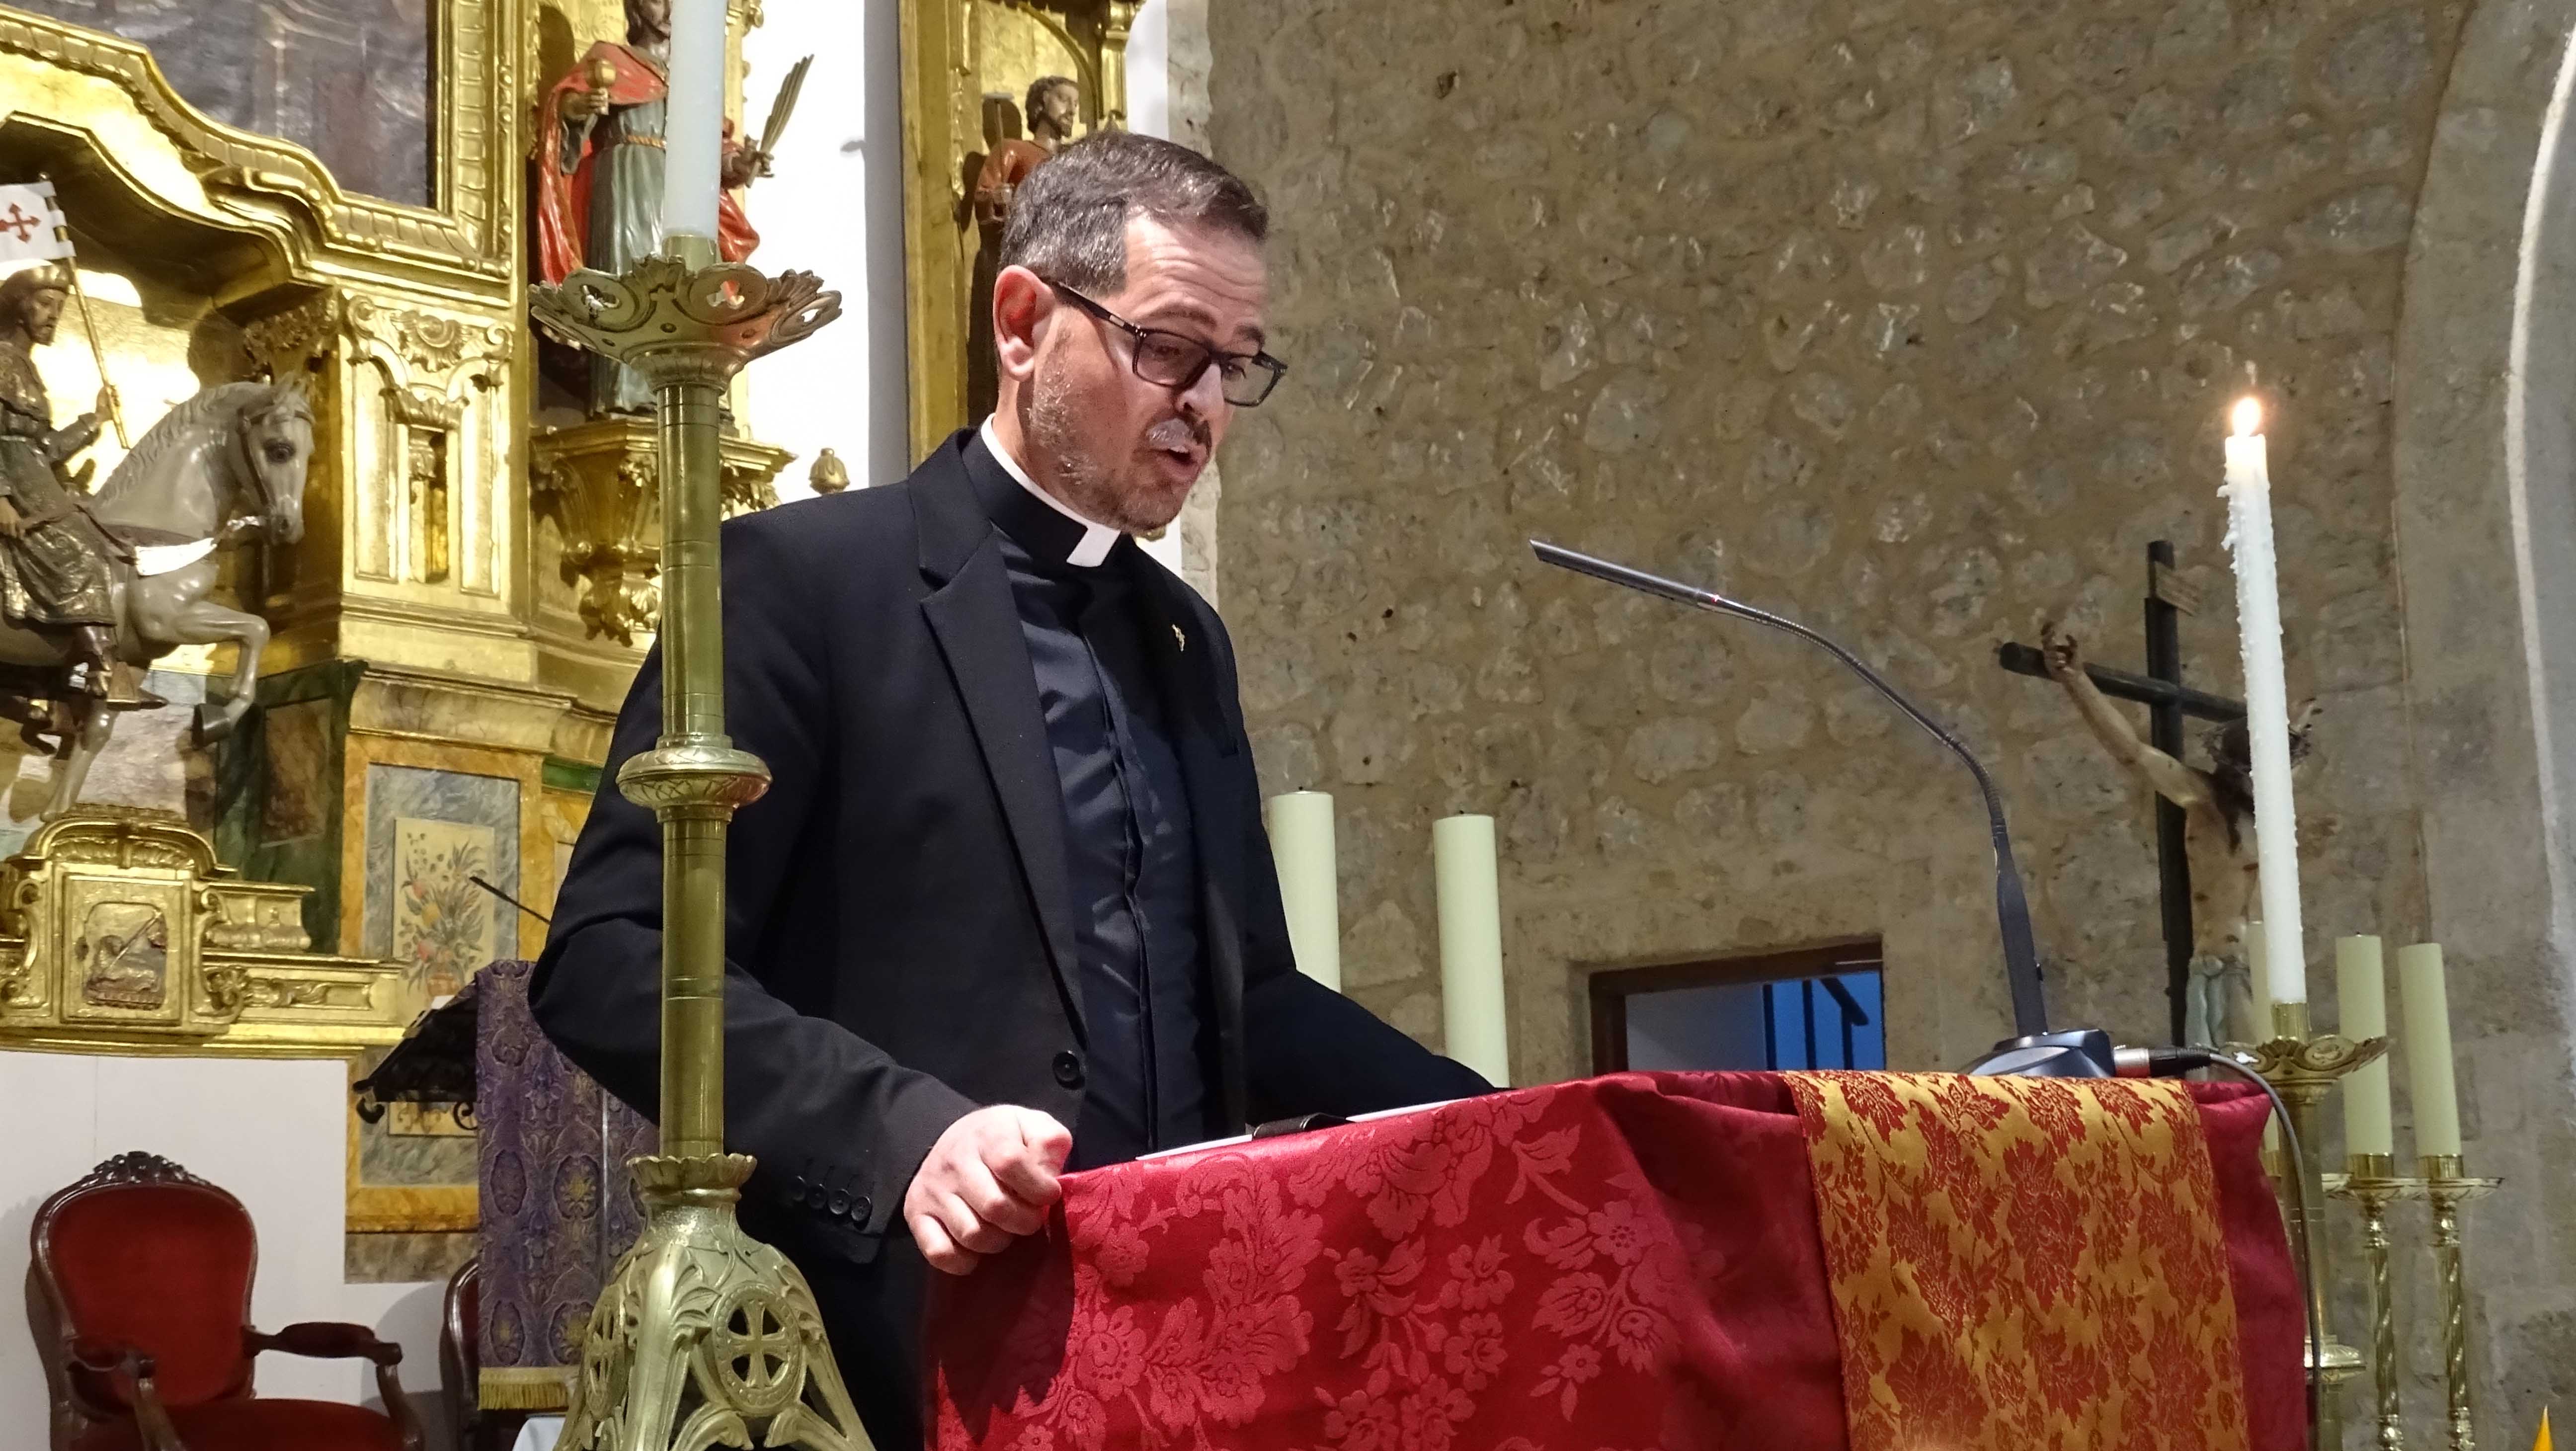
1915	321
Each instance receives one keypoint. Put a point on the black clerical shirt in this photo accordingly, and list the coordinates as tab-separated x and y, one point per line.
1129	854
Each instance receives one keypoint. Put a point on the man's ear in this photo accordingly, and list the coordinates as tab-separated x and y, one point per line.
1022	303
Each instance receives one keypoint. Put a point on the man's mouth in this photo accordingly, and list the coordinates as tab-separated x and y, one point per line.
1176	440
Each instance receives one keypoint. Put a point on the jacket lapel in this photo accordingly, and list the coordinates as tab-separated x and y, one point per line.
973	616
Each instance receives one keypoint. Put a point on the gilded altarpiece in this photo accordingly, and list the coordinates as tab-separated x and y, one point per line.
967	68
330	192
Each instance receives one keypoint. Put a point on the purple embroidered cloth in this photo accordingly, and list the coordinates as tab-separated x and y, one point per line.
557	1205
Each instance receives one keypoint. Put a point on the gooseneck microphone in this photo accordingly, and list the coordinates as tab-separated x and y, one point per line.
2037	1052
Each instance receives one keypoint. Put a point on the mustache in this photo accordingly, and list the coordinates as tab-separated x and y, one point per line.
1178	433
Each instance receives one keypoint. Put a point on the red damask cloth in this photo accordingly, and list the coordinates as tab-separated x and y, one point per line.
1619	1264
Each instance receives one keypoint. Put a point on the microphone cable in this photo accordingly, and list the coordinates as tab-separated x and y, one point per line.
2172	1062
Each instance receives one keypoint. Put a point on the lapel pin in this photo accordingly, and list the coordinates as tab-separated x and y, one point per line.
1179	640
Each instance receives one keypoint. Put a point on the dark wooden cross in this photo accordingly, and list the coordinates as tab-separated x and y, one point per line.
2168	700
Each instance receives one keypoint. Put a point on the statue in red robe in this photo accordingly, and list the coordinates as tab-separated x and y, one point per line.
599	175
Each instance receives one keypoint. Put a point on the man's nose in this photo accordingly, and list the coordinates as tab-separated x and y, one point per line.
1205	397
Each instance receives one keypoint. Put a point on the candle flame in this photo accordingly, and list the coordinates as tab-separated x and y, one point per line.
2249	417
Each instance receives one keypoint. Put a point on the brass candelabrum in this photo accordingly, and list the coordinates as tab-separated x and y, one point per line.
704	1336
2373	1184
2303	1067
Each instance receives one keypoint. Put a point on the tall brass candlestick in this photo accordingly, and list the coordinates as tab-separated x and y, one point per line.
704	1336
2448	1189
2371	1182
2302	1068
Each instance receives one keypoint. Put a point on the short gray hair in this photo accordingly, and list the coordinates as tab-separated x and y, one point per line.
1069	219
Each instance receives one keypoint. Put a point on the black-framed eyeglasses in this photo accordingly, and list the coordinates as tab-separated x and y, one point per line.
1169	360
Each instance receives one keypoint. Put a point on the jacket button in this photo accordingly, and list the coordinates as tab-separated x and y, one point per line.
796	1188
859	1209
1068	1069
814	1196
840	1204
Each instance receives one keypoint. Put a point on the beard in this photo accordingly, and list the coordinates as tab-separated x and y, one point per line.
1128	496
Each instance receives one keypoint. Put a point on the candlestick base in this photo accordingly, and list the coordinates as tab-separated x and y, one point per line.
704	1336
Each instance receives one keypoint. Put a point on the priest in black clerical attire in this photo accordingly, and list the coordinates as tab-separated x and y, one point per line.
1007	908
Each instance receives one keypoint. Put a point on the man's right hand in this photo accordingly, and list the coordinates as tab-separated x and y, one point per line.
989	1180
12	523
582	104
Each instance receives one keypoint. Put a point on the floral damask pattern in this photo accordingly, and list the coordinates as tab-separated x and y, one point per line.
1628	1263
2024	1263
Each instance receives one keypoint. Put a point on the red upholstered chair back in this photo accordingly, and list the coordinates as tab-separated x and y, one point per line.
144	1254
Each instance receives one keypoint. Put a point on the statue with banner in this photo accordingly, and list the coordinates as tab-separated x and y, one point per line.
54	559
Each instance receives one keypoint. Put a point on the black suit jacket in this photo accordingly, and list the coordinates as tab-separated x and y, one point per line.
899	924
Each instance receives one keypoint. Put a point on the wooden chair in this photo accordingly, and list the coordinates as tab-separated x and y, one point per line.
142	1275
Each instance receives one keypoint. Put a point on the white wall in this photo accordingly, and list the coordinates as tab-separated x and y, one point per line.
271	1133
835	208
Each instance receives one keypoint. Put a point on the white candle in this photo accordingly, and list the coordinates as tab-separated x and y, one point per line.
1301	843
1471	945
2430	1075
693	131
2361	995
2267	708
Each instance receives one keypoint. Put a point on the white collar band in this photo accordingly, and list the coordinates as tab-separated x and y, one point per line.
1097	539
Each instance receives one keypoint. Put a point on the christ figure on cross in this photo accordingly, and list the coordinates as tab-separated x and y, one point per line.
2217	802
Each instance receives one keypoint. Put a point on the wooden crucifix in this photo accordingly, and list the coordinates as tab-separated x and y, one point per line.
2168	701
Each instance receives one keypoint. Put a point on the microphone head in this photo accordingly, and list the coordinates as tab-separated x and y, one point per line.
2075	1053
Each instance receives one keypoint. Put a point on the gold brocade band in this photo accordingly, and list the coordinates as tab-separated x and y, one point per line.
524	1388
2023	1262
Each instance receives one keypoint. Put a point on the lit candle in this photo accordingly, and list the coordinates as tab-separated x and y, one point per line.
693	129
2361	991
2425	1003
2267	708
1301	843
1471	945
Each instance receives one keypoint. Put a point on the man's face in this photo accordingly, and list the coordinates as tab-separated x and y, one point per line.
1120	450
1060	107
44	309
649	19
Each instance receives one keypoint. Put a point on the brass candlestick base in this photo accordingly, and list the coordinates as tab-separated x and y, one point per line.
706	1337
2448	1189
2371	1182
2303	1068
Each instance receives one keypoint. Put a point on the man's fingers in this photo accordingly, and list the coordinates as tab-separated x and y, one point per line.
968	1228
996	1205
1027	1177
937	1248
1049	1140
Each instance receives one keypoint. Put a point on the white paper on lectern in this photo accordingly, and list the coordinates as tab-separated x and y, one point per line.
1366	1118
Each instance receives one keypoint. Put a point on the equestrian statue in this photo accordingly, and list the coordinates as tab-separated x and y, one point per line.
95	587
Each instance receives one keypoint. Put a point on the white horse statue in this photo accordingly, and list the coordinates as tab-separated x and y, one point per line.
225	466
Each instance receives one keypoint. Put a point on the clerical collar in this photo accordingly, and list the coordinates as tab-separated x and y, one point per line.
1055	533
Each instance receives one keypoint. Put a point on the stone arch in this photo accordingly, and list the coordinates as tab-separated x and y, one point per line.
2484	439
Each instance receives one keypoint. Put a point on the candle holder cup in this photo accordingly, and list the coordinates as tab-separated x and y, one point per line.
703	1336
